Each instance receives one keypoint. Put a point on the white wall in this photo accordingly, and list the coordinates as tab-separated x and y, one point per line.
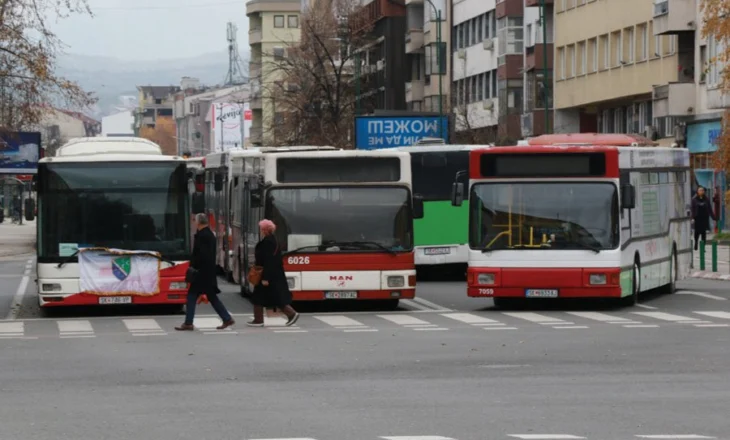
468	9
118	124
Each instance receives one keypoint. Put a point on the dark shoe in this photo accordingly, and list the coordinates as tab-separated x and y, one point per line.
293	320
226	324
254	324
185	327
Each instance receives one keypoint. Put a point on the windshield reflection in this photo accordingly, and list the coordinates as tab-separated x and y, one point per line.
369	219
544	215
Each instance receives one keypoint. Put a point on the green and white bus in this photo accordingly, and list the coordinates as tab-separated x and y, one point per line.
441	236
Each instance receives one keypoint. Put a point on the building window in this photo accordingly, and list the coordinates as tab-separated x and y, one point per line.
571	60
658	46
510	33
480	28
617	45
605	51
583	55
528	35
278	21
293	21
432	63
561	60
278	53
593	54
643	42
627	41
672	44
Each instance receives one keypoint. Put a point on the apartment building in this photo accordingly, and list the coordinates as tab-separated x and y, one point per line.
475	62
381	80
610	55
154	102
428	76
538	68
273	27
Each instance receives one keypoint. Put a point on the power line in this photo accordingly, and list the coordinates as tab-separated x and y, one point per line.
148	8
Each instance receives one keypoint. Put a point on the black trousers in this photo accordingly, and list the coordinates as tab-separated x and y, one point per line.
699	234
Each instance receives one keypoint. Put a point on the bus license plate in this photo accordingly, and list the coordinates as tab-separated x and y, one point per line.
437	251
340	295
542	293
115	300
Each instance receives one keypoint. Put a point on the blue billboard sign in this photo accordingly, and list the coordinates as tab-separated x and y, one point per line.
373	133
20	152
702	137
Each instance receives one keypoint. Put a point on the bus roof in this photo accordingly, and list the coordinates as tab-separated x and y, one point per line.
214	160
109	149
345	153
592	139
440	148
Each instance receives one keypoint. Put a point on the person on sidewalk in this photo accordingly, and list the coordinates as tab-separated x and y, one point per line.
273	290
206	280
701	213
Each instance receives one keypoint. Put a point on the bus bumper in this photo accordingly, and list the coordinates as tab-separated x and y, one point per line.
51	294
321	295
593	282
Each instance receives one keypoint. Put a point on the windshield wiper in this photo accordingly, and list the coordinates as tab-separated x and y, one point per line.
301	249
587	246
360	244
67	259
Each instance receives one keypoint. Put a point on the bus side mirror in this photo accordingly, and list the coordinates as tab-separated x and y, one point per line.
29	209
218	182
628	197
417	206
457	194
198	202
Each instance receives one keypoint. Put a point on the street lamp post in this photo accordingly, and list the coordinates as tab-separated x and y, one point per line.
439	63
545	81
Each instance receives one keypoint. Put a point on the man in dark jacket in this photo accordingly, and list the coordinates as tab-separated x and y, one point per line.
206	280
701	213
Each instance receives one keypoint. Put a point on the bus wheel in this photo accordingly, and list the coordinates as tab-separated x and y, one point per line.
636	286
673	272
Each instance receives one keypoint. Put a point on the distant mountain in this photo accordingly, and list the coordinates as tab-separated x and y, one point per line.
111	78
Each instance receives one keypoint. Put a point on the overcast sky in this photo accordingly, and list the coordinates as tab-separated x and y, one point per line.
154	30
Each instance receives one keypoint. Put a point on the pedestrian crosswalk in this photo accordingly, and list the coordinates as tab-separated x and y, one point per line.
531	436
369	323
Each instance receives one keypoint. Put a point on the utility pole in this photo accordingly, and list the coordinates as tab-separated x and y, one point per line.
440	65
545	80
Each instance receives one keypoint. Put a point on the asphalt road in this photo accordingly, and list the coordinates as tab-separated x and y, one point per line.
447	368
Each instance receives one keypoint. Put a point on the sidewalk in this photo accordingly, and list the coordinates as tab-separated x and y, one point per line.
723	263
17	240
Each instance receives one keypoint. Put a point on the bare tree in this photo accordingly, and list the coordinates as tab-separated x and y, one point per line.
311	82
28	50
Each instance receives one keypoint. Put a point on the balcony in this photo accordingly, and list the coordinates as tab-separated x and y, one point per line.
718	99
414	40
536	3
674	16
414	90
255	135
674	99
254	36
535	56
256	102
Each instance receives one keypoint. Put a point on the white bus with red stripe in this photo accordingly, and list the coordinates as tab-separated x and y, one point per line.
111	192
344	222
577	216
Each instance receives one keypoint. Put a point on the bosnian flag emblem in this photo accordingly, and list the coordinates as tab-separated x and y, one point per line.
122	267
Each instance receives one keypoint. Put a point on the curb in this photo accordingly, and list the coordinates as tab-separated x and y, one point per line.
710	275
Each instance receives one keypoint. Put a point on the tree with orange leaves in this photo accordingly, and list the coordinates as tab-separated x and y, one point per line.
163	134
716	28
28	50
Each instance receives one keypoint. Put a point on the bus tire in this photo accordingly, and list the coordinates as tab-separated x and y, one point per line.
633	299
673	272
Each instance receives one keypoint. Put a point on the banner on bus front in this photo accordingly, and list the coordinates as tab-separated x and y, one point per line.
105	271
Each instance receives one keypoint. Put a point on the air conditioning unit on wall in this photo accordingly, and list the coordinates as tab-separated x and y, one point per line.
488	44
488	104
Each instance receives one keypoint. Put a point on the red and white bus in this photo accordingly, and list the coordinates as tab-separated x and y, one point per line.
111	192
344	221
577	216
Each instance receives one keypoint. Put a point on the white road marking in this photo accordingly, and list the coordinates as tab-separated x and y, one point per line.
500	328
419	437
702	294
537	318
206	323
570	326
644	306
12	328
712	325
468	318
430	304
340	321
715	314
291	331
641	326
404	320
545	436
361	330
142	326
75	327
437	329
602	317
667	317
414	305
294	438
19	294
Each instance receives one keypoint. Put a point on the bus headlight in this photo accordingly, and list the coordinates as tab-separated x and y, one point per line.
51	287
291	282
396	281
597	278
485	278
178	285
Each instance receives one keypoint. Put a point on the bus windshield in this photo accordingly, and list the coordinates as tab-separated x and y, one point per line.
331	219
434	172
133	205
544	215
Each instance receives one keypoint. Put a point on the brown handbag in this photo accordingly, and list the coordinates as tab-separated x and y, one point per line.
254	275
